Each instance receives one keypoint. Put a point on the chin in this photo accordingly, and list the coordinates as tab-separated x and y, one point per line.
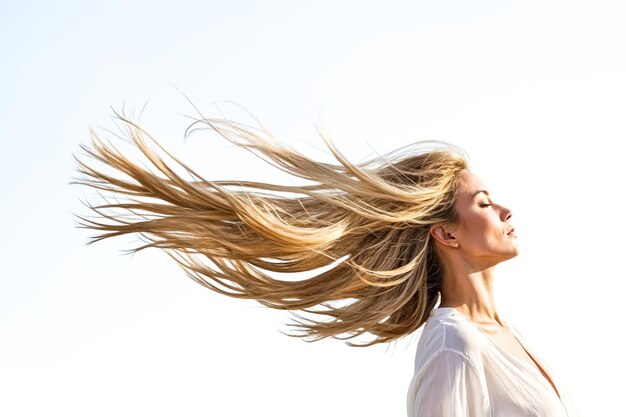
513	254
509	255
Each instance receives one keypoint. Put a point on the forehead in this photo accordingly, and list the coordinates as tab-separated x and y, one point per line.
470	183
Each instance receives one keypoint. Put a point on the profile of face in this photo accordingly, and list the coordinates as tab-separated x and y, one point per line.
482	234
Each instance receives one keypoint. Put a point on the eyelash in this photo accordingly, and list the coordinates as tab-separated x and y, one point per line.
485	205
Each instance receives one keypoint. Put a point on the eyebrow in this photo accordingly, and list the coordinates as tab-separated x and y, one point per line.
480	191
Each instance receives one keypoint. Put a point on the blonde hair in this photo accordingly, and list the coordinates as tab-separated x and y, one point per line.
368	224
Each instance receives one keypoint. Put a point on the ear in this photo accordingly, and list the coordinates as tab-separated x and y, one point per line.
439	233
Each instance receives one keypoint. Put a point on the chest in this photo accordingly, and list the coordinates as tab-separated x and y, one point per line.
508	343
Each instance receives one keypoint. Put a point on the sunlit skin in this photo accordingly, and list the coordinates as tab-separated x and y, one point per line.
469	249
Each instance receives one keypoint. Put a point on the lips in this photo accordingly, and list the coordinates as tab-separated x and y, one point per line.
511	231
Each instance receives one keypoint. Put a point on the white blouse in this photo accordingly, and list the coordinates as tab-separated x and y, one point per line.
461	372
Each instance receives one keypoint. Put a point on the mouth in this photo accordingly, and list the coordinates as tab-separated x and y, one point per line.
511	232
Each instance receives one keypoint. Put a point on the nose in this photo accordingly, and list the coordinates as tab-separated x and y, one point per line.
505	213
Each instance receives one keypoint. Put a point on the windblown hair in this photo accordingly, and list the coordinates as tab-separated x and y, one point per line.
366	225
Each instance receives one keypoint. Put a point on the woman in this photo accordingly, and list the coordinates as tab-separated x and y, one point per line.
395	236
471	362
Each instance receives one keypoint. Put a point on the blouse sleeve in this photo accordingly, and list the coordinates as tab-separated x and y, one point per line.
449	386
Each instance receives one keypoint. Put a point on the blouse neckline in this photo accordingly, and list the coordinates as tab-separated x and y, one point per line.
506	324
511	357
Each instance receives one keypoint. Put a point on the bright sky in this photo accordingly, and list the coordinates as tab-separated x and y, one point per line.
533	90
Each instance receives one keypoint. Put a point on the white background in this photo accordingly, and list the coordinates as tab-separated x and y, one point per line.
533	90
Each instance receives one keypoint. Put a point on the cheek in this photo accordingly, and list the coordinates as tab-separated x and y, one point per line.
473	224
479	230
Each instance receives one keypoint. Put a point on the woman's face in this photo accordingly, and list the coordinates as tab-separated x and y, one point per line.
483	231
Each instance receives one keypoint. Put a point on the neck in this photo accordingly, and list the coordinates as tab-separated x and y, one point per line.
472	294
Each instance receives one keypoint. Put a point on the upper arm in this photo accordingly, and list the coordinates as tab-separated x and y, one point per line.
449	386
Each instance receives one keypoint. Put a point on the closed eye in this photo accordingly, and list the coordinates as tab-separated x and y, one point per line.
485	205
